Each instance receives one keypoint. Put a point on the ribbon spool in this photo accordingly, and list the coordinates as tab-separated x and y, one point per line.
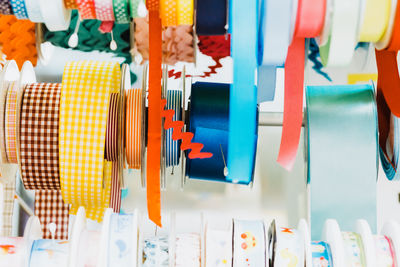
342	149
218	246
321	254
33	10
391	230
211	17
249	243
374	20
332	236
47	253
339	49
286	246
156	252
172	149
208	120
354	249
187	250
55	15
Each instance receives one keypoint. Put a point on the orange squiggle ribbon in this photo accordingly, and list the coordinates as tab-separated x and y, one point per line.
177	134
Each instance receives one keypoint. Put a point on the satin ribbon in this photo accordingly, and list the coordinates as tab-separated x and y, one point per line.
48	253
339	49
310	19
218	248
11	125
156	252
342	149
388	75
86	89
274	37
321	254
55	15
172	148
187	250
86	9
134	111
14	251
387	36
121	11
242	142
19	9
34	12
211	17
384	251
354	249
248	243
287	247
374	20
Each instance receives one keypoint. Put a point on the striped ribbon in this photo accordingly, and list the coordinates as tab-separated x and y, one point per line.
174	102
11	126
134	111
84	174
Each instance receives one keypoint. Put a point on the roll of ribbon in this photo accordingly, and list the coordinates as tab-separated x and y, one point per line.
342	149
218	247
211	17
310	19
286	246
121	11
34	12
248	243
11	125
13	250
339	49
174	102
115	197
5	7
47	253
85	94
321	254
155	252
111	148
19	9
89	248
387	36
274	37
187	250
86	9
242	141
134	111
354	249
55	15
209	122
374	20
384	251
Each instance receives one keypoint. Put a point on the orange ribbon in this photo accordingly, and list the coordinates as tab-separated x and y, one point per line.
309	22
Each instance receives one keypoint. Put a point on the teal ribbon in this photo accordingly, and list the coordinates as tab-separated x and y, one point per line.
342	155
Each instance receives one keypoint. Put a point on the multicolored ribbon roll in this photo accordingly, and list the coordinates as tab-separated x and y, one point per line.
156	252
84	174
321	254
354	249
11	124
248	243
174	102
48	253
385	255
39	154
134	110
342	155
187	250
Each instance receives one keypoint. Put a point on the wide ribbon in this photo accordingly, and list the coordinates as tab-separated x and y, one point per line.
211	17
168	12
86	9
218	247
354	249
342	155
55	15
121	11
48	253
309	22
19	9
84	174
374	20
34	12
242	141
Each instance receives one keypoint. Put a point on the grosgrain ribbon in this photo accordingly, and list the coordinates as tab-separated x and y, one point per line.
342	149
84	174
309	22
321	254
11	125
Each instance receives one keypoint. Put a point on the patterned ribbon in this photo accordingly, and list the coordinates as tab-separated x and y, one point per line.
187	250
48	253
155	252
121	12
185	12
104	10
14	251
218	248
39	155
11	123
86	9
168	12
8	194
84	174
133	128
71	4
321	254
134	6
5	7
354	249
384	251
174	102
19	9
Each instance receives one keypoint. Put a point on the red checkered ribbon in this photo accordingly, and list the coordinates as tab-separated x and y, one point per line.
40	154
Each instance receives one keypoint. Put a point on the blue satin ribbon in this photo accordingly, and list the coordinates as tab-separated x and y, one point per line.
242	142
173	152
209	122
342	155
211	17
274	37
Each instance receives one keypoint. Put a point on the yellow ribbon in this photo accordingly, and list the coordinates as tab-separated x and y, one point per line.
375	20
176	12
185	12
84	174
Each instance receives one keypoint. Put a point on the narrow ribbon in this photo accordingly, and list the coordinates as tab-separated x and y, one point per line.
309	22
321	254
11	123
172	151
354	249
168	12
134	112
71	4
8	191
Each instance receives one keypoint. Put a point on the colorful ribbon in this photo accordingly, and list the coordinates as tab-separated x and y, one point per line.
71	4
321	254
354	249
121	12
385	256
86	9
19	9
375	20
174	102
11	125
156	252
134	111
47	253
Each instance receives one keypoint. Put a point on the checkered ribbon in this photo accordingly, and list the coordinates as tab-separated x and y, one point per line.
50	208
70	4
11	123
84	174
9	191
19	9
5	7
39	155
134	7
104	10
121	12
86	9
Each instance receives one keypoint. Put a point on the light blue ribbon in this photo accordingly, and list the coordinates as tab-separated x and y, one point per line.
242	142
120	252
342	155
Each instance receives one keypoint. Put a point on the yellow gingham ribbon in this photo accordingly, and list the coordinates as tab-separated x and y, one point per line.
84	174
